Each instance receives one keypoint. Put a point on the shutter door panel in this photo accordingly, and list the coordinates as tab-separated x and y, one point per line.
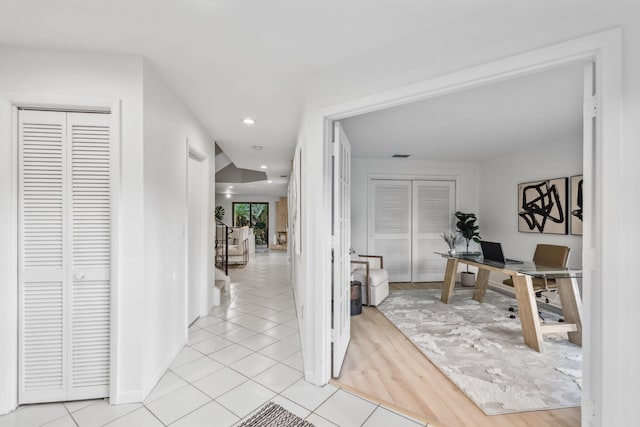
91	325
42	337
90	191
65	250
390	226
42	205
90	254
433	208
42	190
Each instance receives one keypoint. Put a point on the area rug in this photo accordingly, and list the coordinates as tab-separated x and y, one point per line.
480	349
273	415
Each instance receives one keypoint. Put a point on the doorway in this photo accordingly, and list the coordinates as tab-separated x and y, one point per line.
196	237
64	246
254	215
405	218
604	49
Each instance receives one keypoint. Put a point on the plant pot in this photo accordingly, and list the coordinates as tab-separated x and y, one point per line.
468	279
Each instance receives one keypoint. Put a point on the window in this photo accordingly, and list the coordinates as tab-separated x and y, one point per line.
256	216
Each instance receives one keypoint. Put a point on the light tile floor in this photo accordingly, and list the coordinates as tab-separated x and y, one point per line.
244	354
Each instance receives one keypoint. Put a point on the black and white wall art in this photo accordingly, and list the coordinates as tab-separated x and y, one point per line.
576	205
542	206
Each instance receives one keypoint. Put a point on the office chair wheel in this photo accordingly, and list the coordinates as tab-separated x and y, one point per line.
561	320
511	309
512	316
546	300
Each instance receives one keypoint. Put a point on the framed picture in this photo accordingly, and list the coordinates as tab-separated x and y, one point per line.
576	205
542	206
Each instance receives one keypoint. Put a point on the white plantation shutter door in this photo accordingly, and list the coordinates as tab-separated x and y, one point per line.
433	209
390	226
65	250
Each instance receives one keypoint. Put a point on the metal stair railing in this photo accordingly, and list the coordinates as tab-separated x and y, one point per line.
222	246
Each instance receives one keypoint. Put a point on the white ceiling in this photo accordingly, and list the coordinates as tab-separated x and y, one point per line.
479	123
229	59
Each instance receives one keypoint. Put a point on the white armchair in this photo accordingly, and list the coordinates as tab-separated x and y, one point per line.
374	280
238	246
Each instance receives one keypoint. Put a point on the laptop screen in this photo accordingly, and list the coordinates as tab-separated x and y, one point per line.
492	251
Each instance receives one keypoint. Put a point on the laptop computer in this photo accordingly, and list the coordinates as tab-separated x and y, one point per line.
492	251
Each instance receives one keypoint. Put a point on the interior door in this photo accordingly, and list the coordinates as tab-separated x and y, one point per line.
341	295
389	226
64	256
432	214
195	238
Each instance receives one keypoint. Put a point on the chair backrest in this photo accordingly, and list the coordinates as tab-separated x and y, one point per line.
239	234
551	255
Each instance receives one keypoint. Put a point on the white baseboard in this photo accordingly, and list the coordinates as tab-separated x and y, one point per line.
162	369
124	397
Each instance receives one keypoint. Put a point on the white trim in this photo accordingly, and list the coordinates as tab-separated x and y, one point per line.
9	317
606	49
203	158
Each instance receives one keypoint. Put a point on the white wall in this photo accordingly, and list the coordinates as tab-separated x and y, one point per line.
227	204
499	179
66	78
169	129
149	273
362	170
613	376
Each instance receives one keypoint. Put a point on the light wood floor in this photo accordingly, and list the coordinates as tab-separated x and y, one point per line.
384	366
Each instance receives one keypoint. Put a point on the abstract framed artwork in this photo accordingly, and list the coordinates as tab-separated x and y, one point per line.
576	205
542	206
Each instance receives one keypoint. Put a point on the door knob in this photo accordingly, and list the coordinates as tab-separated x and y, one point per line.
78	276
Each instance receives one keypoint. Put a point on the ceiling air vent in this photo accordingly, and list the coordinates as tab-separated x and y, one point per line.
401	156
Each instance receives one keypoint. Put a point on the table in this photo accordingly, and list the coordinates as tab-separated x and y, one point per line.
532	329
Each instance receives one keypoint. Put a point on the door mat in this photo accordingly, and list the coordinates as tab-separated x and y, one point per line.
273	415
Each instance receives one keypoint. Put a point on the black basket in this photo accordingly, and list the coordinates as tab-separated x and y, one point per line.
356	297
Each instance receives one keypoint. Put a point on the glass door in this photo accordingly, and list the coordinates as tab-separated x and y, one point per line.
256	216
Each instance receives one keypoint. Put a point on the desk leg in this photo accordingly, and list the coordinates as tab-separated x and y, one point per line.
481	285
449	280
571	306
528	311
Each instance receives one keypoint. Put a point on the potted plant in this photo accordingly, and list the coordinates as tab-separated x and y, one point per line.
469	230
452	240
219	213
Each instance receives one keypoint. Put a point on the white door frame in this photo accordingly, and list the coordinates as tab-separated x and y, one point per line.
9	251
600	248
204	186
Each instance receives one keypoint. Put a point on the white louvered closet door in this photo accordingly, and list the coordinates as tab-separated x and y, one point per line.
65	250
433	209
389	225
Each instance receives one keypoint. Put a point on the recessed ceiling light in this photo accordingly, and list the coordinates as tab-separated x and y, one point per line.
248	121
269	181
228	196
231	186
263	166
257	147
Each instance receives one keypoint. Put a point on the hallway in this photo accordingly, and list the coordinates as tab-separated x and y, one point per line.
243	355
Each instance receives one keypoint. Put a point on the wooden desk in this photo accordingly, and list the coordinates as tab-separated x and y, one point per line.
532	329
